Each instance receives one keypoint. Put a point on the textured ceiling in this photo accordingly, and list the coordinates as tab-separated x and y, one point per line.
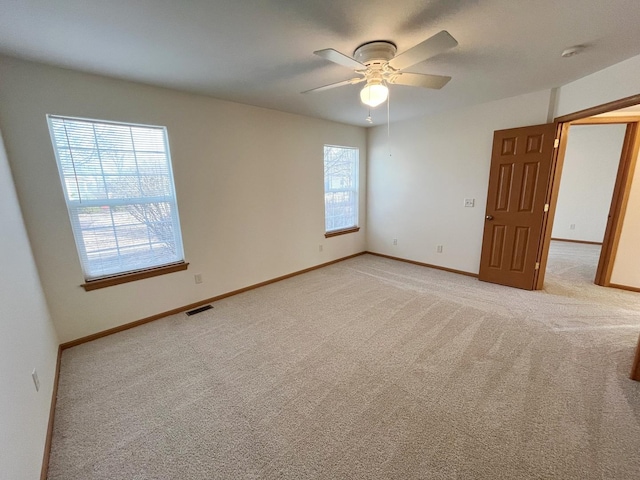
260	52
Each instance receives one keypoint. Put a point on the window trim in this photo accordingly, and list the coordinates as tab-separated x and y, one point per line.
133	276
342	231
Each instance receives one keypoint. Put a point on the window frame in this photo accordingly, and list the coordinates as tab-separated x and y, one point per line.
73	206
355	189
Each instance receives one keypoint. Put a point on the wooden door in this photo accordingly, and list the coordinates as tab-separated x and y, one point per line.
520	168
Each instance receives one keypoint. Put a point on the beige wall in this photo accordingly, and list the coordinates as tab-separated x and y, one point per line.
249	183
27	341
626	268
588	177
418	180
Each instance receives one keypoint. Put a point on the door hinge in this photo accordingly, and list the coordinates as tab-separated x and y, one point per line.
546	207
537	266
556	143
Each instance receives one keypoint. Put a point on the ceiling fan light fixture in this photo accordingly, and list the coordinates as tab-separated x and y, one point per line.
374	94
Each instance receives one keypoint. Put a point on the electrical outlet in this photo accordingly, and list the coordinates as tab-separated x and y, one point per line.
198	277
36	381
320	247
469	202
395	241
572	226
439	248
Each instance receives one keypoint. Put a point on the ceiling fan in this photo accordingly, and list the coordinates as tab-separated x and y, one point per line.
378	65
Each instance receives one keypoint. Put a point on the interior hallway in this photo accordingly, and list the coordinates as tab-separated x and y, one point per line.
571	270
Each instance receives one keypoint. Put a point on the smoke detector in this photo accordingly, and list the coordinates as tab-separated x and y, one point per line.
572	51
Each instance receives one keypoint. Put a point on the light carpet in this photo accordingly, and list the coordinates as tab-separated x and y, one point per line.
365	369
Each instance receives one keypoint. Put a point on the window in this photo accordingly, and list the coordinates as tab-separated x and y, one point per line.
340	189
119	189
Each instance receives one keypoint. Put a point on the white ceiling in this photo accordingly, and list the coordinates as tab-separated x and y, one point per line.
260	52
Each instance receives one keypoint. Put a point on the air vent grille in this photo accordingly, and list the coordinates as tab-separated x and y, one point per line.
199	309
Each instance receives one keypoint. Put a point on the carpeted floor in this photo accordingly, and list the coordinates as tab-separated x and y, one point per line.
366	369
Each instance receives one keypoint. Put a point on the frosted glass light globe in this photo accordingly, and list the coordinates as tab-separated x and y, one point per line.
373	94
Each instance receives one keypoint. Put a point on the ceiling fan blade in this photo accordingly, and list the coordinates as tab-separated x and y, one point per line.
351	81
339	58
420	80
432	46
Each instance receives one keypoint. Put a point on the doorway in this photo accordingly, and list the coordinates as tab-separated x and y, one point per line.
623	112
590	166
524	183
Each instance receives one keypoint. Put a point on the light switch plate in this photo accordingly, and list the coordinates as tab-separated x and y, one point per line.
469	202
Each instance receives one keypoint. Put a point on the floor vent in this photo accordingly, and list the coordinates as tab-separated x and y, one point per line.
200	309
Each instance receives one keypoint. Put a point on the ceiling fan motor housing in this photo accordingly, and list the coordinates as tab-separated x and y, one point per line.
379	52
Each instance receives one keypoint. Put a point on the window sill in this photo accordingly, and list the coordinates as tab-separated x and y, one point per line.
344	231
132	277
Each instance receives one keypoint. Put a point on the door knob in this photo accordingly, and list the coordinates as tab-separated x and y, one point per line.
489	217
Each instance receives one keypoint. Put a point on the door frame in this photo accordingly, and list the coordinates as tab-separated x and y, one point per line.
621	190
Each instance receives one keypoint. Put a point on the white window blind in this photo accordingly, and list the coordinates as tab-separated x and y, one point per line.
340	187
120	193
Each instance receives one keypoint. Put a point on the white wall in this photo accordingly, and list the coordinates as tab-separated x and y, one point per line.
249	183
588	177
626	268
27	341
612	83
418	180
